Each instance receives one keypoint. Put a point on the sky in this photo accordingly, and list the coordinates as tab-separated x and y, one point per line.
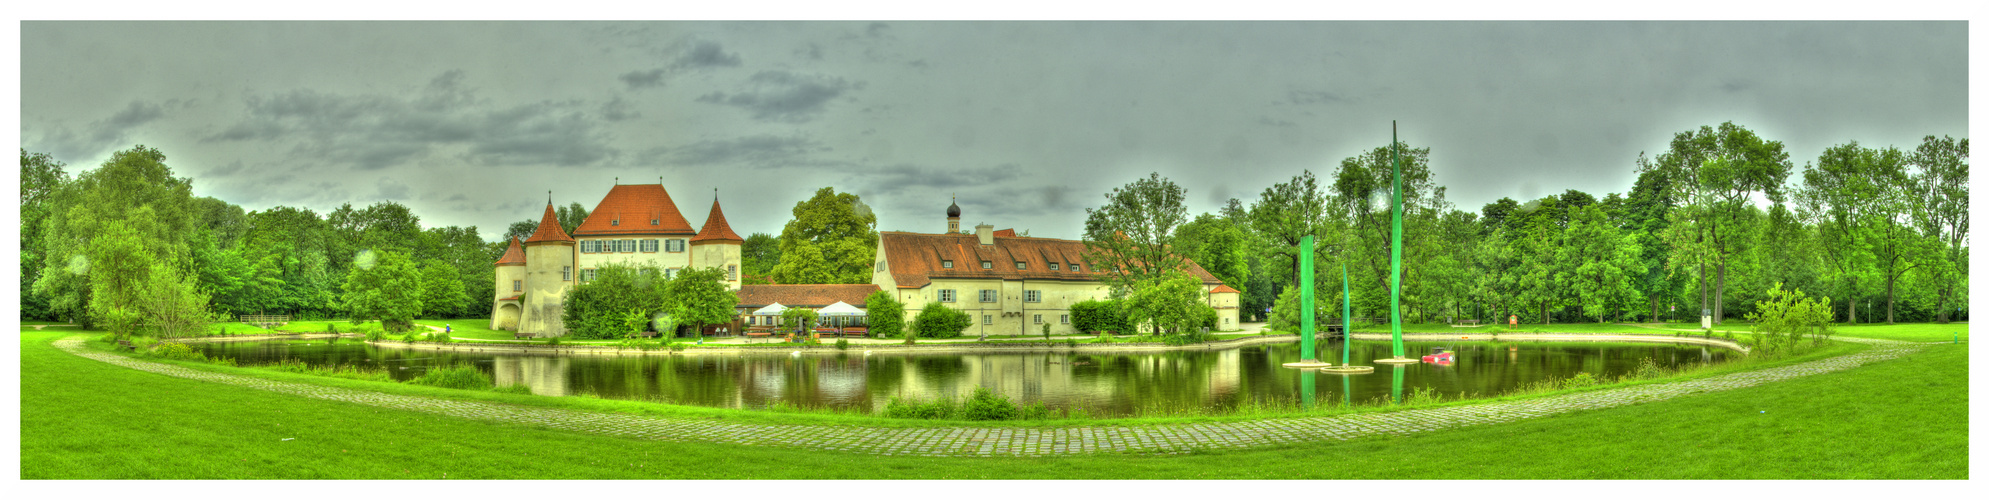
1027	123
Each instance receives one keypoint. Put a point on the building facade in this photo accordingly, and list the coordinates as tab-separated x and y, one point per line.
636	225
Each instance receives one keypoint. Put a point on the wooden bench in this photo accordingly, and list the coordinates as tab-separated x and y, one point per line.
856	332
520	335
1469	323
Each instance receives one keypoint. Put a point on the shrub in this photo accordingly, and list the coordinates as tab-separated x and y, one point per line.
454	377
1580	380
1099	316
1070	342
984	404
1035	411
937	321
176	350
842	344
916	409
676	347
513	389
887	315
1423	396
552	340
1647	369
439	337
410	337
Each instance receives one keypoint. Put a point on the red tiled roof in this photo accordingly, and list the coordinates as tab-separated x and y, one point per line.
549	230
715	228
1010	233
634	205
758	296
513	256
1224	289
914	258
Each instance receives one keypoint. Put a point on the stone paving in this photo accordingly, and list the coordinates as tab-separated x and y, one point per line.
1030	442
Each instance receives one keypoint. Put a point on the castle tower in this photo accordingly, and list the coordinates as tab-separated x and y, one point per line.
549	270
953	217
717	246
505	308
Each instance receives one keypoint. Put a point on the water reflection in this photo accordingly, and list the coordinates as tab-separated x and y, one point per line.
1106	384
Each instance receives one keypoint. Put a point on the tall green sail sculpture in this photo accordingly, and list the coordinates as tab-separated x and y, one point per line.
1395	253
1346	319
1305	320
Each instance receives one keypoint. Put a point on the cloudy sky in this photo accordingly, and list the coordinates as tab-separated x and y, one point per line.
470	123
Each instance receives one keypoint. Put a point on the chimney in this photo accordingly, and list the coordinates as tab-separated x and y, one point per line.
986	232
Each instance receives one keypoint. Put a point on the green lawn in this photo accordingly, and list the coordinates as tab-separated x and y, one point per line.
85	419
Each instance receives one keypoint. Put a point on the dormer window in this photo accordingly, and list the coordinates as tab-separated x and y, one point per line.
615	222
1053	266
653	222
987	264
1075	268
946	264
1020	265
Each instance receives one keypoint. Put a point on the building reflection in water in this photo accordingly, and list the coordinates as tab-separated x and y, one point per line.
546	375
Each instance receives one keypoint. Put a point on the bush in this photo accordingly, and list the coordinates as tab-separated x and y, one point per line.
1099	316
1786	319
937	321
514	389
438	337
454	377
1285	316
887	315
916	409
1580	380
676	347
176	350
842	344
984	404
552	340
410	337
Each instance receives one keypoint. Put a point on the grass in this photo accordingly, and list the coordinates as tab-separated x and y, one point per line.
84	419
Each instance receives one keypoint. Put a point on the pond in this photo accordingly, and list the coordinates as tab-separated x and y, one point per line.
1102	383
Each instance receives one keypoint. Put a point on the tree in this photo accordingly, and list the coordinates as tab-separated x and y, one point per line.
1166	302
759	255
1222	248
1131	238
41	177
1099	316
698	297
887	315
1599	264
595	307
1645	213
937	321
1363	187
1714	174
1943	182
798	320
172	303
441	290
134	194
1285	213
843	232
384	287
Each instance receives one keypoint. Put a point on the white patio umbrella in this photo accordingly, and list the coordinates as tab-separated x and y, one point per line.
773	309
840	310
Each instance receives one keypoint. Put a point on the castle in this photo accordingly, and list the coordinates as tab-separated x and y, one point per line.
635	224
1008	284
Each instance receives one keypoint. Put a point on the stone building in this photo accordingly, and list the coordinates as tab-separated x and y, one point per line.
634	225
1008	284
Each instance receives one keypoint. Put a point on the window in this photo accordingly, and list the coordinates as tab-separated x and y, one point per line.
587	275
1225	321
945	295
626	246
1053	266
731	273
1039	319
517	285
566	273
1021	265
670	273
615	222
645	271
987	295
584	247
649	246
674	245
987	264
946	264
1032	296
987	319
1074	268
1066	319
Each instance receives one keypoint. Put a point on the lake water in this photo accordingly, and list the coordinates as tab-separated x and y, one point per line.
1103	384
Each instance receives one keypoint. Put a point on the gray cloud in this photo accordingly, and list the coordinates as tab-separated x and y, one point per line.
100	135
643	79
813	51
758	151
691	56
617	110
392	189
779	95
373	131
1316	97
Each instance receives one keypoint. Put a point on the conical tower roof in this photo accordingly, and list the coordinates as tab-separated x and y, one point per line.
549	231
715	228
513	256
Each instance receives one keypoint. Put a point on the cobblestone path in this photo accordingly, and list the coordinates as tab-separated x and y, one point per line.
1010	442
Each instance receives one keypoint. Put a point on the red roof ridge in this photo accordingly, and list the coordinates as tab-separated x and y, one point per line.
549	230
715	227
651	200
513	255
1224	289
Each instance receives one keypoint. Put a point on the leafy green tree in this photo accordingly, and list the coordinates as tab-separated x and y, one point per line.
798	320
1363	187
1645	211
384	287
1599	264
133	194
1222	248
1285	314
937	321
1168	302
698	297
1786	318
595	308
1943	215
886	314
172	303
1714	175
1099	316
840	229
1285	213
1131	238
41	177
441	290
759	255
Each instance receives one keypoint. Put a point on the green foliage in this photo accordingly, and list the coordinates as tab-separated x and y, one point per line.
1100	316
1580	380
520	389
698	297
1046	331
1131	239
938	409
454	377
386	289
1220	246
441	290
1782	322
1285	312
985	404
842	344
937	321
797	320
886	315
832	239
102	233
599	308
172	305
758	255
